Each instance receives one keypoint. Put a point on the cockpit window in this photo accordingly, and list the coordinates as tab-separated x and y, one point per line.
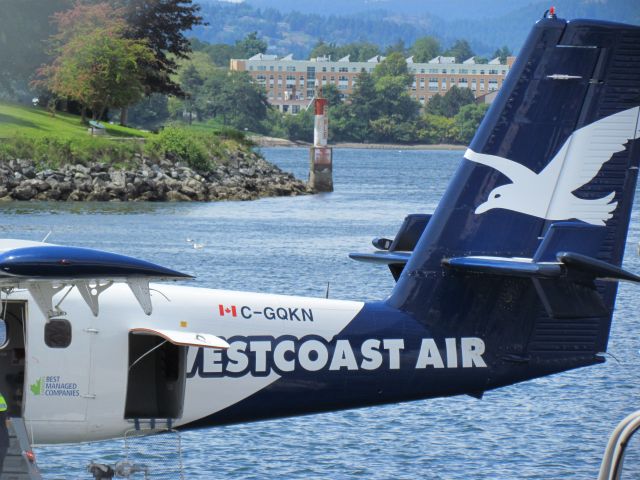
57	333
4	334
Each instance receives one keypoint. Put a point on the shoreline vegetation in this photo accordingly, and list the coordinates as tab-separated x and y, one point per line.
54	158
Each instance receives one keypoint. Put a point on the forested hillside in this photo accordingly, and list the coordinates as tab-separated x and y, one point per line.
295	27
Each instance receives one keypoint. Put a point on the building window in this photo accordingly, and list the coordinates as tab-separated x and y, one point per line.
311	73
251	68
4	334
444	84
481	72
444	70
343	69
493	85
422	84
262	68
271	68
493	72
295	108
291	69
324	69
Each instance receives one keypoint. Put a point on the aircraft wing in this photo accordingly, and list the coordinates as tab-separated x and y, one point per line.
45	269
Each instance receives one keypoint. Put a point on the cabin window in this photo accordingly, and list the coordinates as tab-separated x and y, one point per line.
4	334
57	333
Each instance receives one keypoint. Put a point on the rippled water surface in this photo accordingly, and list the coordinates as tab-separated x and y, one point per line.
555	427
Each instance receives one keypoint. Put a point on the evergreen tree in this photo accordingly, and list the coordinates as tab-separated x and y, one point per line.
460	50
424	49
162	24
449	104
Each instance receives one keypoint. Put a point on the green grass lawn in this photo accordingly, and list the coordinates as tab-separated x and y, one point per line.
20	120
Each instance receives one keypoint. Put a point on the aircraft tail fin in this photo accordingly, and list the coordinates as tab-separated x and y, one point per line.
532	228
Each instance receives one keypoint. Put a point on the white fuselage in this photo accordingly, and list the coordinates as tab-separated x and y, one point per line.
78	393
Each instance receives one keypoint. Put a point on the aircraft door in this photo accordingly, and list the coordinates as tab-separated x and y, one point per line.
58	369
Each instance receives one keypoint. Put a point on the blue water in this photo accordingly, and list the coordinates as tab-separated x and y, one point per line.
552	428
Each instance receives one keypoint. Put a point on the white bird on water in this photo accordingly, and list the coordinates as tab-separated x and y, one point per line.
549	194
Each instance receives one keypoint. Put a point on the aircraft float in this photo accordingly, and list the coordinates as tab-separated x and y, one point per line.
513	277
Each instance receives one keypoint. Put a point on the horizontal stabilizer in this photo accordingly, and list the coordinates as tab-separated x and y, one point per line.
504	266
567	264
592	267
382	257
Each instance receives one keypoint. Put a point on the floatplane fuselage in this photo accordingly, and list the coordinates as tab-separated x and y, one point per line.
497	286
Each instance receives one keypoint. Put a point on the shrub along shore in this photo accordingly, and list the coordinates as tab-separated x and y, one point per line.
175	165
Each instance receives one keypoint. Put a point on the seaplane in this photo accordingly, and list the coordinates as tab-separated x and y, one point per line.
512	277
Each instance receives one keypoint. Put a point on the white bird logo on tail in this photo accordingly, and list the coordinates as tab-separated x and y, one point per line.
549	194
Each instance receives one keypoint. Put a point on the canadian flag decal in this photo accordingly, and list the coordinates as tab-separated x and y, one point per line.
227	310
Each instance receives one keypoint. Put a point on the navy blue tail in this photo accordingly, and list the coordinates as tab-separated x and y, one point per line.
537	213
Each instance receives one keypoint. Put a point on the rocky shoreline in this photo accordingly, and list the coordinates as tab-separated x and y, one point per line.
244	176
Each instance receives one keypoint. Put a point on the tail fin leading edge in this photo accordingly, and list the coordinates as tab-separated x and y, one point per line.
559	145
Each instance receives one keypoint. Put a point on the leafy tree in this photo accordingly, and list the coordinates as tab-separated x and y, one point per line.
99	70
481	60
424	49
161	23
332	94
467	121
221	53
150	112
437	129
380	108
394	65
360	51
250	46
322	49
24	28
449	104
94	64
300	126
393	128
397	47
230	96
461	50
357	51
350	120
191	83
502	53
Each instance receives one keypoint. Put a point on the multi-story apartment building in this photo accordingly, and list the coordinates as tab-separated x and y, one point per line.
290	84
